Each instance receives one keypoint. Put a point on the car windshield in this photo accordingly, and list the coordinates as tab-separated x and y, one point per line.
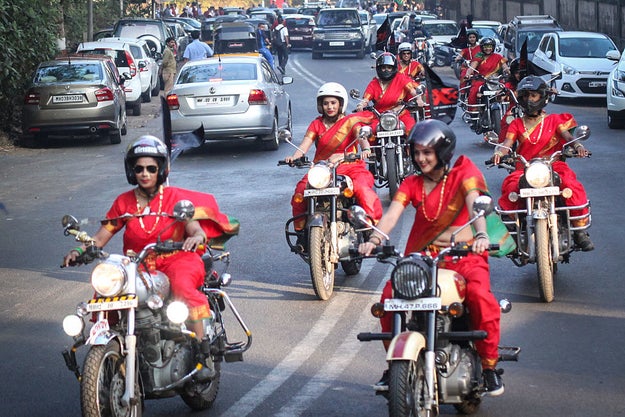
135	31
338	18
68	73
487	32
443	29
118	55
585	48
218	72
533	38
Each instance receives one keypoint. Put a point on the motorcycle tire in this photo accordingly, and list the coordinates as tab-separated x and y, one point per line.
391	173
321	269
495	121
201	395
407	389
544	262
102	384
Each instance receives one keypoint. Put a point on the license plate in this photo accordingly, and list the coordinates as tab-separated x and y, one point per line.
389	133
539	192
70	98
296	38
112	303
489	93
597	84
312	192
213	101
422	304
337	43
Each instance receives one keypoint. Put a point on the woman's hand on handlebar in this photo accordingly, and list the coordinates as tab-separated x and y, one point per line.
366	248
480	244
72	256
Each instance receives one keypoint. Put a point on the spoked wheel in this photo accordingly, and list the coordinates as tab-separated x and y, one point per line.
321	269
391	172
407	389
201	395
103	384
544	263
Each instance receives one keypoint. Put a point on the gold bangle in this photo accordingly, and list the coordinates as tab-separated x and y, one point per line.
377	237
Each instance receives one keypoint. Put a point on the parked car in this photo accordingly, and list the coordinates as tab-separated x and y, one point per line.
522	28
490	32
153	31
300	30
369	29
231	97
182	38
188	23
127	66
75	96
289	10
338	31
581	58
493	24
616	92
440	31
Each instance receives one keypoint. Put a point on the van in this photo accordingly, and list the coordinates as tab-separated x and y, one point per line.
522	28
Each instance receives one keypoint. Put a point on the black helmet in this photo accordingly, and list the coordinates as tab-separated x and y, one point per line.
532	83
151	146
487	41
473	32
386	59
437	135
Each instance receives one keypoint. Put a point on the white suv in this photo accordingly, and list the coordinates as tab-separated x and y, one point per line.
616	92
148	65
126	65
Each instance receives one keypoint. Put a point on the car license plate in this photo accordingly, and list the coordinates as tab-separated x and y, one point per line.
69	98
389	133
213	101
539	192
337	43
597	84
422	304
112	303
312	192
296	38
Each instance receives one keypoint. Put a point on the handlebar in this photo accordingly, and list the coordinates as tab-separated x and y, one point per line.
301	162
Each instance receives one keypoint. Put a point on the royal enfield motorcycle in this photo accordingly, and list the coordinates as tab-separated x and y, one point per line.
138	347
325	240
432	358
493	102
544	227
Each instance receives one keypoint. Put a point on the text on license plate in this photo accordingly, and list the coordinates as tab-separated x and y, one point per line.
389	133
421	304
324	191
113	303
69	98
213	101
539	192
296	38
337	43
597	84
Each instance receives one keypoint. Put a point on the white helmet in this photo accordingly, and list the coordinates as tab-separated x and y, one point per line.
332	90
404	46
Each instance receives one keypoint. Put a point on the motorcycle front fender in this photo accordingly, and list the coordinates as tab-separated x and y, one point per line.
103	338
316	220
406	346
540	214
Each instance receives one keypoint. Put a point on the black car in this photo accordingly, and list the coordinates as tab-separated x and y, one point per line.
338	31
300	30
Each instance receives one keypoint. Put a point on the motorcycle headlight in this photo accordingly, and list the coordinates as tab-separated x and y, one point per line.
537	175
388	121
411	278
109	278
319	176
177	312
73	325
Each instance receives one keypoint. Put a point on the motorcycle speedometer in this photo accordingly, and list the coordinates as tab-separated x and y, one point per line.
538	174
388	121
109	278
319	176
411	278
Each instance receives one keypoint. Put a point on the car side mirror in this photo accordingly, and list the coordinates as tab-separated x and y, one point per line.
549	54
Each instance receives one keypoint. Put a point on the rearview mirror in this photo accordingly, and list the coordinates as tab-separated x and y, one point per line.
483	204
184	210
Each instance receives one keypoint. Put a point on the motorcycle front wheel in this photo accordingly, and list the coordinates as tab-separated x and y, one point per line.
544	262
321	269
392	172
407	389
103	384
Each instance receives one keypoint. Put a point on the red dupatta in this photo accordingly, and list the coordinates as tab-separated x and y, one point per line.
489	64
339	135
397	90
543	139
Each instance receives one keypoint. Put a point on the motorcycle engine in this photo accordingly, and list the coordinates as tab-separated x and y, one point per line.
158	282
458	375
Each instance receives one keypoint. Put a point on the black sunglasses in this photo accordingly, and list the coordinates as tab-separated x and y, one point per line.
151	169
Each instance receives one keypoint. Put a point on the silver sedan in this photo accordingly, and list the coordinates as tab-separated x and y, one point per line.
231	97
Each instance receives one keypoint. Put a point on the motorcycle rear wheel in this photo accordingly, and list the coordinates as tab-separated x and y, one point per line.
544	263
407	388
103	383
321	269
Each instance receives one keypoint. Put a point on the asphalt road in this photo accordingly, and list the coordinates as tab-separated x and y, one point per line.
305	360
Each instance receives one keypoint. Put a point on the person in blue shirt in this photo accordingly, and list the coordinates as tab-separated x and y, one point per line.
196	49
262	44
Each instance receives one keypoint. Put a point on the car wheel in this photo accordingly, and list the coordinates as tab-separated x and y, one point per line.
317	55
271	142
614	122
136	109
157	88
146	97
115	137
289	121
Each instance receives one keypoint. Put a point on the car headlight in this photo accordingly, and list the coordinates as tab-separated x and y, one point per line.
109	278
411	278
177	312
354	35
388	121
538	175
319	176
569	70
319	36
73	325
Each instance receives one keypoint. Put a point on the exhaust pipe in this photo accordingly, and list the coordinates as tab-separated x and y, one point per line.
93	129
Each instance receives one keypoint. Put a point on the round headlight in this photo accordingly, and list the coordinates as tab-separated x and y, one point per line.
108	278
411	278
73	325
177	312
538	175
388	121
319	176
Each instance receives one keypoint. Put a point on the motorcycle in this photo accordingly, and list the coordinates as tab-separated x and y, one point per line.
325	240
138	346
423	51
444	55
432	358
543	230
493	102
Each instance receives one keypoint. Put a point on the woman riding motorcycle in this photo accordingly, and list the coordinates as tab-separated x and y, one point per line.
147	166
468	53
537	135
486	63
407	65
333	134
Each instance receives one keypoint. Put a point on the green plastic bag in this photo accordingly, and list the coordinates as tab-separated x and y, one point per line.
498	233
